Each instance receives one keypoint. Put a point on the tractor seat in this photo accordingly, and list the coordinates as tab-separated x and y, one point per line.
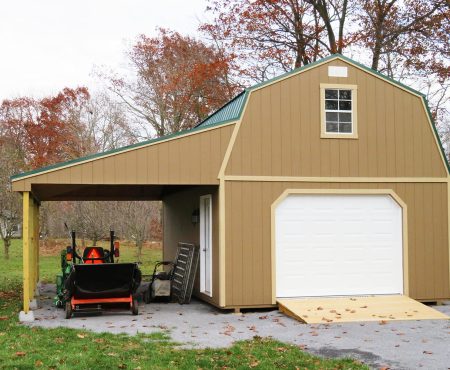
96	253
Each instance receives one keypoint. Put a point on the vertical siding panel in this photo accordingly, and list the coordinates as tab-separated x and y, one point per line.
429	242
380	116
445	242
185	152
286	127
131	169
313	106
229	245
266	242
141	166
390	124
417	133
399	145
205	158
237	244
305	126
109	170
153	162
363	127
296	122
97	171
75	175
163	164
248	261
371	127
423	128
437	232
173	172
119	169
410	152
420	254
86	173
259	273
275	110
257	135
266	128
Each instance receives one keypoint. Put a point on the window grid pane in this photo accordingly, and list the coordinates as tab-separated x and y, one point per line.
338	111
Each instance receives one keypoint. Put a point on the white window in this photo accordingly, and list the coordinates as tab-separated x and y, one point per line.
338	111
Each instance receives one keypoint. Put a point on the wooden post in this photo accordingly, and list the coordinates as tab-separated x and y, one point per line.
26	251
36	238
32	283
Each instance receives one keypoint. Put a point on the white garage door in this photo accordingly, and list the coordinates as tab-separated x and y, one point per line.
333	245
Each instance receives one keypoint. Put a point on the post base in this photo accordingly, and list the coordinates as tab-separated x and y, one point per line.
26	317
34	304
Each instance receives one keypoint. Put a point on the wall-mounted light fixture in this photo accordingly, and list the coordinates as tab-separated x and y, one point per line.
195	217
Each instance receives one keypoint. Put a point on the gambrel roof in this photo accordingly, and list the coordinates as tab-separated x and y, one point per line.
232	112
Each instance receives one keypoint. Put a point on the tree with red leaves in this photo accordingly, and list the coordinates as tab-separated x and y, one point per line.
43	129
178	81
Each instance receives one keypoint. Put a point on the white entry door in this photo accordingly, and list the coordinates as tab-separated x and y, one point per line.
337	245
206	245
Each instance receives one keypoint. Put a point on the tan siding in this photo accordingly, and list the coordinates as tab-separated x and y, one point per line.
282	122
248	237
192	159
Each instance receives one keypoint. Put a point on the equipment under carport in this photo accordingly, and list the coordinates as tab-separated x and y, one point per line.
94	282
177	281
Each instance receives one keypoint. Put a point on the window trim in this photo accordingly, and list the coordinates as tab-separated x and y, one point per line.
323	131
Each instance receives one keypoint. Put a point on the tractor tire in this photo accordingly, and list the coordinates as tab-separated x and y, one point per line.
68	310
134	307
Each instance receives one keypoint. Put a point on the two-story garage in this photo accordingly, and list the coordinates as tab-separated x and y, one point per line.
326	181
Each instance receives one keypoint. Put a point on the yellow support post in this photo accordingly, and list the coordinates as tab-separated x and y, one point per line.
26	251
31	246
36	238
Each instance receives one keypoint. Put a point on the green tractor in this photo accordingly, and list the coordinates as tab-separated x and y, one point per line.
93	282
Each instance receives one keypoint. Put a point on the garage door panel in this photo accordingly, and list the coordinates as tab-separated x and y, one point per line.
338	245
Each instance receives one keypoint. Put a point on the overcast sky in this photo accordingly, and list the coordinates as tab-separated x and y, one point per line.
49	44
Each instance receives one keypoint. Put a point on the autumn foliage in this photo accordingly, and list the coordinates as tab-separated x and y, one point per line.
178	81
43	129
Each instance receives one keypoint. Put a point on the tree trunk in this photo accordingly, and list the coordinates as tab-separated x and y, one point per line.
6	245
139	244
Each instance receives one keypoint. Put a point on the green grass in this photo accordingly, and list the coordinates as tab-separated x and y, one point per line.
22	347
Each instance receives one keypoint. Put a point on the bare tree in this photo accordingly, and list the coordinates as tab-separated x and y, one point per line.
137	220
10	210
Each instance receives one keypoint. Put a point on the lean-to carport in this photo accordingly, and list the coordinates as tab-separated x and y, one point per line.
186	164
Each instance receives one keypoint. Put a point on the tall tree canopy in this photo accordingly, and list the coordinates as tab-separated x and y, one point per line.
273	35
177	81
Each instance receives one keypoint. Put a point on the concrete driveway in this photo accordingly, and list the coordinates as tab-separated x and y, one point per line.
396	344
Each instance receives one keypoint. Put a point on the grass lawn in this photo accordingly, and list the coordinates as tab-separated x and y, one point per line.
22	347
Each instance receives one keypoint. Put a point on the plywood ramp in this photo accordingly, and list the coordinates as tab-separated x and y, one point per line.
354	309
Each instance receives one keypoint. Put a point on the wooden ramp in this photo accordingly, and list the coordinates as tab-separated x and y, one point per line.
353	309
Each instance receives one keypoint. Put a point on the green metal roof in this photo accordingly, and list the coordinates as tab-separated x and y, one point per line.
232	111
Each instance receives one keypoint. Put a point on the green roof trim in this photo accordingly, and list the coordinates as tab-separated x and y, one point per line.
114	151
232	111
229	112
